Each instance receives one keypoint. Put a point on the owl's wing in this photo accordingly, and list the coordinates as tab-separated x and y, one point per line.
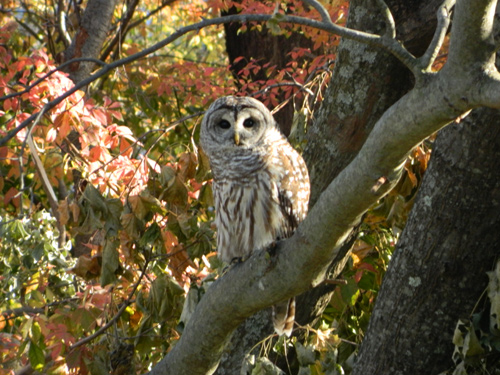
293	179
290	221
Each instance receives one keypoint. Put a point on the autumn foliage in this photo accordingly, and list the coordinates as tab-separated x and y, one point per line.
96	279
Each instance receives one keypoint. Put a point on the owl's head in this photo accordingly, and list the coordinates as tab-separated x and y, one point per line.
235	123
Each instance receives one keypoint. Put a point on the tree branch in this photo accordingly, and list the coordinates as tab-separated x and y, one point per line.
325	16
443	18
390	31
471	41
89	39
301	262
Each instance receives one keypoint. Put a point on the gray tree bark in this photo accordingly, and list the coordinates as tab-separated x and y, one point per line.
438	271
88	41
365	83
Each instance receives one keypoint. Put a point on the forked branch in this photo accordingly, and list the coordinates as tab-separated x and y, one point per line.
443	22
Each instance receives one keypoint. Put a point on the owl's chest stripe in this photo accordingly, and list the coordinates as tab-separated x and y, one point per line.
247	217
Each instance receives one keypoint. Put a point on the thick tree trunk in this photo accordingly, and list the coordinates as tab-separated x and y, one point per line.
366	82
438	271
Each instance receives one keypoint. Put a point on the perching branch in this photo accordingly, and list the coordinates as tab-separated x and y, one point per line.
301	262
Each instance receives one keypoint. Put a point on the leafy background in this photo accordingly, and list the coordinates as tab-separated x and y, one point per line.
98	281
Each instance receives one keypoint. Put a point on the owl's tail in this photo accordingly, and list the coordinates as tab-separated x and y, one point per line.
284	317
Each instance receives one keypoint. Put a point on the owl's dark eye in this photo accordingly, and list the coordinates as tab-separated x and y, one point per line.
248	123
224	124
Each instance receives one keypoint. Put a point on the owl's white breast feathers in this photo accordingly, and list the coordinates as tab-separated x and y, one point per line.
255	209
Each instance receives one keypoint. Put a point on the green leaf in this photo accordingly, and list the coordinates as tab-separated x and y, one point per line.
17	230
350	292
368	281
494	296
166	297
36	356
110	261
114	208
93	198
97	366
472	346
273	26
305	354
36	332
153	233
176	193
38	251
167	176
206	195
91	223
202	173
273	23
152	203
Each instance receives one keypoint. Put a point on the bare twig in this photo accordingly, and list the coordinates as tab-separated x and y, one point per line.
61	23
151	13
325	16
21	153
281	84
29	30
123	29
125	304
28	369
389	20
19	311
443	21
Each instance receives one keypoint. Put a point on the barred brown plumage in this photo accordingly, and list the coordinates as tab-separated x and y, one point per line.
260	183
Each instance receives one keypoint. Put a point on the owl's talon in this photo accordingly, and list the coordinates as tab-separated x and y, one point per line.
271	249
234	261
237	260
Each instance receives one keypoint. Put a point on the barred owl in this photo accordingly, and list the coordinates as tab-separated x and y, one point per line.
260	183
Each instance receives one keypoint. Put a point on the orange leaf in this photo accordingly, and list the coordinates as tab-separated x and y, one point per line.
12	196
63	210
187	165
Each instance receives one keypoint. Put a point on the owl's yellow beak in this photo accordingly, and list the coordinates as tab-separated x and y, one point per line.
237	138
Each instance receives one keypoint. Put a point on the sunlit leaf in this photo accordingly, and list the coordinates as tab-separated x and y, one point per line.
36	356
